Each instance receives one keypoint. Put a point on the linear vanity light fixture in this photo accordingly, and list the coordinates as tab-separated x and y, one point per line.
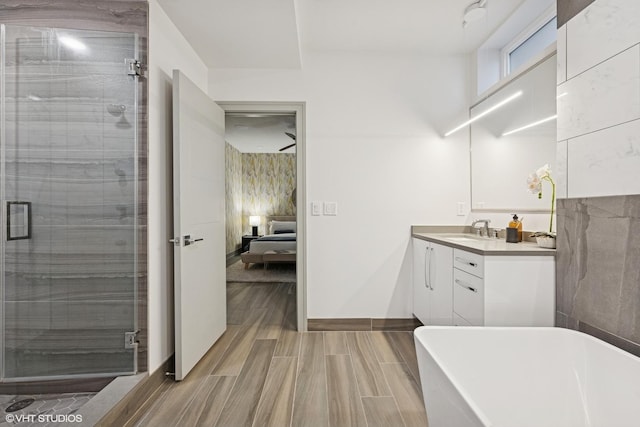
484	113
530	125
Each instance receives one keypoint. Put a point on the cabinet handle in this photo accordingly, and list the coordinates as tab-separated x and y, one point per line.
466	261
430	257
426	274
466	285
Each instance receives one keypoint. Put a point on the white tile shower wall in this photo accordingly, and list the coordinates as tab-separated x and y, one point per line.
599	169
604	96
604	29
598	118
561	170
561	45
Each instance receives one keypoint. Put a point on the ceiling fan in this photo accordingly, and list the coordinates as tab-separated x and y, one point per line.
292	136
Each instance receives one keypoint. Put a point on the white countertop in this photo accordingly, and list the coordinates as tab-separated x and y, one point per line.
485	246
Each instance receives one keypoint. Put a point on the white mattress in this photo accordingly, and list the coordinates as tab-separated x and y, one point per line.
262	246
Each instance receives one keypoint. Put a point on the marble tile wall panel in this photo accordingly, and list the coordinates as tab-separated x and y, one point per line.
561	172
601	31
73	251
567	9
50	339
106	15
603	96
597	264
26	363
42	288
561	45
606	162
69	315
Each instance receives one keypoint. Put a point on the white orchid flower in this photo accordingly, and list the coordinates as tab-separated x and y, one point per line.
534	185
544	172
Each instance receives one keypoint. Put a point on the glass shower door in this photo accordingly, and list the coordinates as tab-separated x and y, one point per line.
69	214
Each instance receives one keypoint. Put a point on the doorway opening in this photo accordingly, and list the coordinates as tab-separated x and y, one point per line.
265	227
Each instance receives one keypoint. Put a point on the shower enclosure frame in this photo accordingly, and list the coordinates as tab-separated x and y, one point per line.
140	243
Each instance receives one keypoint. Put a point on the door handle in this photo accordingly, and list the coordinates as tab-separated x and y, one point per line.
189	241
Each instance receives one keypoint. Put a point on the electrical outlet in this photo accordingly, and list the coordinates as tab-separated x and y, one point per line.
461	209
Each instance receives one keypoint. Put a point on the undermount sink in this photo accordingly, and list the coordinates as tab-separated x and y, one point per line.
463	239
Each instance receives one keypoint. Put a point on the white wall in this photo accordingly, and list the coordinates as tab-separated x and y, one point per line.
599	112
167	50
373	145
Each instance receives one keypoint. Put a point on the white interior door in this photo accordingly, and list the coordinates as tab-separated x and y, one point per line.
199	234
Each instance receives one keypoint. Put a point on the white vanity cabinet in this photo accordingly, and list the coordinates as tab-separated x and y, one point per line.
509	290
432	282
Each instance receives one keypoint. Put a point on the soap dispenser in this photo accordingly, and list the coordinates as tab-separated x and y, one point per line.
514	230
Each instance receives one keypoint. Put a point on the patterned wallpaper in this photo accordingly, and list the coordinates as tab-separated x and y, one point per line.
233	187
256	184
267	182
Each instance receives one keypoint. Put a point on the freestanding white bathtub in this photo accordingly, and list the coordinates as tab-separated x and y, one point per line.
521	377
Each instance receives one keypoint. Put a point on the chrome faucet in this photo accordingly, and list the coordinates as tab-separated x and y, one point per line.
485	227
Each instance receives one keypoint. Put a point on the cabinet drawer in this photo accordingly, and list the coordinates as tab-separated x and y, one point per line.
469	262
468	297
460	321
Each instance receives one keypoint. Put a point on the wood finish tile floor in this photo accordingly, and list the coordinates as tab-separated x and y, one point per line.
263	373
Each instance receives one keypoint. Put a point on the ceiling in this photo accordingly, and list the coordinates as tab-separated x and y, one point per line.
268	34
260	133
277	33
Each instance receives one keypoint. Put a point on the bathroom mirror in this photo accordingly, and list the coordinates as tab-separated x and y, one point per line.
501	162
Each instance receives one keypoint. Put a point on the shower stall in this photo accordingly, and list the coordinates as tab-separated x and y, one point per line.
70	220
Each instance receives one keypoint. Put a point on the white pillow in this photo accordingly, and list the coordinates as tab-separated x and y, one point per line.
281	225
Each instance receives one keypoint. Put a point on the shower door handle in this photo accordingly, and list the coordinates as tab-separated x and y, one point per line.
18	220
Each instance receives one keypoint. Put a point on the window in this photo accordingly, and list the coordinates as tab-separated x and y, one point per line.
530	43
526	35
533	45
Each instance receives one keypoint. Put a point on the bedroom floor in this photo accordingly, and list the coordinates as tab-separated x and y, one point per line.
263	373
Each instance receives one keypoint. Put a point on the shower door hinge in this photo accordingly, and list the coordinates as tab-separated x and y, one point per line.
131	339
134	68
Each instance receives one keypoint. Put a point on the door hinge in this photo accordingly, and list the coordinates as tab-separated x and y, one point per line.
131	339
134	67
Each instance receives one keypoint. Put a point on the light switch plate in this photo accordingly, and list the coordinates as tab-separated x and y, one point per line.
316	208
331	208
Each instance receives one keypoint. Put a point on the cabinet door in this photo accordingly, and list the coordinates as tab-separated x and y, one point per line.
440	271
421	292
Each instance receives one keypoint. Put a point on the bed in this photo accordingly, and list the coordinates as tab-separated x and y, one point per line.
278	245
